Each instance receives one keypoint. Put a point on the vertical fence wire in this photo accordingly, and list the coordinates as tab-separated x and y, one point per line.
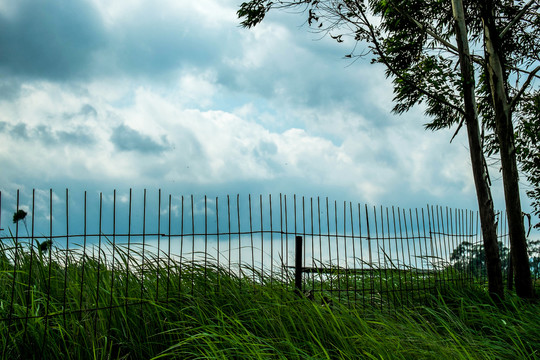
295	221
98	262
158	245
111	291
415	254
29	282
394	262
337	250
128	257
312	260
398	240
378	268
437	259
261	275
345	252
370	263
239	238
402	215
168	250
469	230
271	240
251	237
143	253
382	248
205	244
320	260
304	248
181	254
66	258
329	245
420	238
361	260
192	265
218	238
354	254
229	233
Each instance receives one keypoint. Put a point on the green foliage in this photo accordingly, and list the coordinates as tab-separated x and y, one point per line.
420	72
253	12
144	311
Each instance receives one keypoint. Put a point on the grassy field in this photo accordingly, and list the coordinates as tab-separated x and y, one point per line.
163	309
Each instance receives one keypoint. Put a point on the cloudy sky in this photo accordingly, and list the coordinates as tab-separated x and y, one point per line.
173	94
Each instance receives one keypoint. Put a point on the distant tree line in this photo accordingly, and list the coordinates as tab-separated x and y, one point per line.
471	259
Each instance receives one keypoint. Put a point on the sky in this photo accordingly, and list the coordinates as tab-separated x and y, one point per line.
173	94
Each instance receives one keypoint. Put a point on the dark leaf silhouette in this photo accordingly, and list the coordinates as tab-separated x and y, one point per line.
19	215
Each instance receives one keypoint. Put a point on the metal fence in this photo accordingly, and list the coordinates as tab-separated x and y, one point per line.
76	252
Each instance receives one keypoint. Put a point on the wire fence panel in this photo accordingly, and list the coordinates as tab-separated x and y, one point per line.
90	254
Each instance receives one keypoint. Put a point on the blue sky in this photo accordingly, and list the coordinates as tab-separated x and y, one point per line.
98	95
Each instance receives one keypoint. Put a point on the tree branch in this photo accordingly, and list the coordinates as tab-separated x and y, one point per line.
459	128
516	98
516	19
425	28
396	72
530	73
449	46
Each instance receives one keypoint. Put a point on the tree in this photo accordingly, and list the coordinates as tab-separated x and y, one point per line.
497	71
483	191
422	43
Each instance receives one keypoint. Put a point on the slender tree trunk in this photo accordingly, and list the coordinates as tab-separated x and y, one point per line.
483	191
505	135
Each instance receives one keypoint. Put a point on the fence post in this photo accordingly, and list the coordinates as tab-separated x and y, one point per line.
298	266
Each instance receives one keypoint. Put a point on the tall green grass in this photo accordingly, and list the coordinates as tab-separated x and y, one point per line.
67	306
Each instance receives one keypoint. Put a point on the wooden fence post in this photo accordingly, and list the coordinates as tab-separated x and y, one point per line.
298	266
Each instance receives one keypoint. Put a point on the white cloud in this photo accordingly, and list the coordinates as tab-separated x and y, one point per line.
197	89
262	46
209	13
8	8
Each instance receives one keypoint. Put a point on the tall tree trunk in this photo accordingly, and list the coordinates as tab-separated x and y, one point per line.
483	191
505	135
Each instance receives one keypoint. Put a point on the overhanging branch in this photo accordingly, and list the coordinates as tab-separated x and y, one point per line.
449	46
516	98
516	18
396	72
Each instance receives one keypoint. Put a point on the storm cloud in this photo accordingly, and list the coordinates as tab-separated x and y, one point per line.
46	135
127	139
53	39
